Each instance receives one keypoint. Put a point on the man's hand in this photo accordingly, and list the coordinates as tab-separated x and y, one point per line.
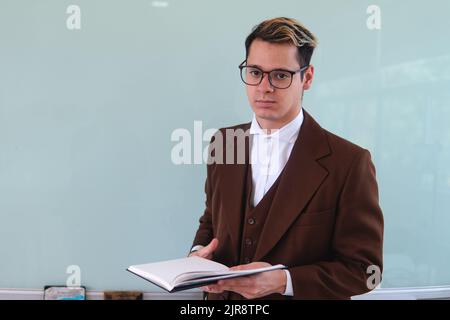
207	251
254	286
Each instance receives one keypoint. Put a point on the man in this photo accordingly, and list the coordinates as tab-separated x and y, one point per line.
304	197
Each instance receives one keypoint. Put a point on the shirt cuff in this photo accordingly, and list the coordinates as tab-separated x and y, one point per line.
289	290
197	247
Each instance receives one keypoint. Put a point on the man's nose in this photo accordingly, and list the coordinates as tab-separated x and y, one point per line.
265	85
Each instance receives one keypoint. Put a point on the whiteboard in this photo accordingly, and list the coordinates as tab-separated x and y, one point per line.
87	117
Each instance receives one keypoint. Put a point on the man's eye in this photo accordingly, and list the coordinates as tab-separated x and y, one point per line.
281	76
255	73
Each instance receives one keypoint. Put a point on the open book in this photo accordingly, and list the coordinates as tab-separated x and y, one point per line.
186	273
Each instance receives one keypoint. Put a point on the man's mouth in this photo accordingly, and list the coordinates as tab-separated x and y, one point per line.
265	103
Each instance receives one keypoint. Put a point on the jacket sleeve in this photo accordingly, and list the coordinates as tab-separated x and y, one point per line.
357	242
204	233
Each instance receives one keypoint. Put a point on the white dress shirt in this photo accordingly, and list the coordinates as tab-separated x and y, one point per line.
269	154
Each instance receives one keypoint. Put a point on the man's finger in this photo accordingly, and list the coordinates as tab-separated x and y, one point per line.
242	282
235	268
213	288
210	247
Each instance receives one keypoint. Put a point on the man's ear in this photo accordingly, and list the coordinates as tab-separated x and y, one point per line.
308	78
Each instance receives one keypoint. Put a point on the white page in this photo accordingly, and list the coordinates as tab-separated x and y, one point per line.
165	272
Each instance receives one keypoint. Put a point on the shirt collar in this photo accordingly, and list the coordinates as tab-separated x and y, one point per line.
288	133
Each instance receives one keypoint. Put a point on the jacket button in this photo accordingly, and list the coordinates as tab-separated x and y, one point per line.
251	221
248	241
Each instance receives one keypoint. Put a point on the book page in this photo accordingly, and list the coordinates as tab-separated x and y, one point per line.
165	272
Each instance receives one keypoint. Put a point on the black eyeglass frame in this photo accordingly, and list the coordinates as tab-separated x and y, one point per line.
242	66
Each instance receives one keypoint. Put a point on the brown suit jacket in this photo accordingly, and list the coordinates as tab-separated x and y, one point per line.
325	222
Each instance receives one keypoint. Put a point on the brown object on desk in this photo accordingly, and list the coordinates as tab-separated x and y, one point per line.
123	295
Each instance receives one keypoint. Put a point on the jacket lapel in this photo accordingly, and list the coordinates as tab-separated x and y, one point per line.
300	178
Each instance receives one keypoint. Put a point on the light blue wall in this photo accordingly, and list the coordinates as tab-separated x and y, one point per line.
86	118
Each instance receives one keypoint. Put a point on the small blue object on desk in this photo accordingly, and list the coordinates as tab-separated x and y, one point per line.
64	293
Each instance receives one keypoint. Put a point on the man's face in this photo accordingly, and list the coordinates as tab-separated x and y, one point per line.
275	107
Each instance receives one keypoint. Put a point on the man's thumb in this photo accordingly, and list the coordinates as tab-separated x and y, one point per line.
212	246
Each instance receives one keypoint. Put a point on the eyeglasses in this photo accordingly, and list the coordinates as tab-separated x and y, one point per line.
278	78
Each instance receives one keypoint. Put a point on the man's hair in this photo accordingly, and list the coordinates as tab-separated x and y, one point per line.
284	30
